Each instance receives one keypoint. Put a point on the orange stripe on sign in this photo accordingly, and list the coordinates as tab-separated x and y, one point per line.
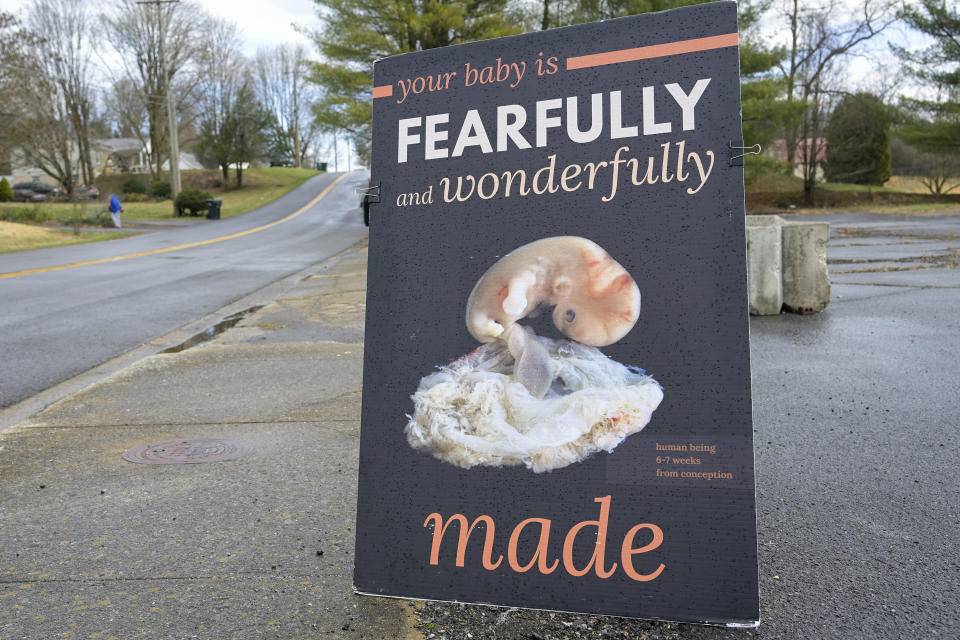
653	51
383	91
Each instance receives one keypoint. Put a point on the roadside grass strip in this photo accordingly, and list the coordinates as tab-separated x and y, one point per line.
190	245
24	237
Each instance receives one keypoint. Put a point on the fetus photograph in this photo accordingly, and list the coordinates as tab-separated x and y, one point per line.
537	401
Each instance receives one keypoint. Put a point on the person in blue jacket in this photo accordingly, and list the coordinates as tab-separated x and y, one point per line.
115	211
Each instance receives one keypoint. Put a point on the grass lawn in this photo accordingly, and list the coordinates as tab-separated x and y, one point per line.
21	237
772	193
260	187
918	210
907	184
781	182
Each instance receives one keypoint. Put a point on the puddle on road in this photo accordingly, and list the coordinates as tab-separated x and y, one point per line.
212	332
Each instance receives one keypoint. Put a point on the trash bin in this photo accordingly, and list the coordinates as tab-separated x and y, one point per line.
213	208
321	166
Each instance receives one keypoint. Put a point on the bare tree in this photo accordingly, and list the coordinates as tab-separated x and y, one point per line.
155	42
15	43
282	88
48	116
67	55
248	127
127	110
218	91
820	35
939	173
44	132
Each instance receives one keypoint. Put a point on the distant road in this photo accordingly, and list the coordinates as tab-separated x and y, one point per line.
58	323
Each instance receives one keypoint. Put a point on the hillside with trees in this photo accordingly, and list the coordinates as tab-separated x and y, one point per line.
170	75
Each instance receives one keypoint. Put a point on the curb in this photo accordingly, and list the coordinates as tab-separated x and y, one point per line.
17	413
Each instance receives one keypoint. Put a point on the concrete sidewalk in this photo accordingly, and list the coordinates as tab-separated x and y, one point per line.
93	546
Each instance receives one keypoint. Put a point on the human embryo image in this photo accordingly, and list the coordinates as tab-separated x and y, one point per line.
524	399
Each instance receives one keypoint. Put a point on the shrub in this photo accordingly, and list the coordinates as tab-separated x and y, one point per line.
22	214
135	197
160	190
6	191
87	220
192	201
202	180
755	168
134	185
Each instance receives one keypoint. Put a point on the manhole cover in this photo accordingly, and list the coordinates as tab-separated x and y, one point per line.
187	451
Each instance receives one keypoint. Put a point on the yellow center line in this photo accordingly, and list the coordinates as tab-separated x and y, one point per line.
14	274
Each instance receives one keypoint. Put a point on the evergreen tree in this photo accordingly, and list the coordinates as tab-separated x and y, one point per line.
6	191
858	141
250	125
762	90
239	135
934	125
357	32
761	86
215	144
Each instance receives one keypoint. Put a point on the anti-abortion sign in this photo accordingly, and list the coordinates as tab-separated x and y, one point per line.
556	399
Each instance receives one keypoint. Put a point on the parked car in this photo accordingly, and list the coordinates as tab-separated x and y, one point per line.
89	193
44	188
35	191
27	195
25	192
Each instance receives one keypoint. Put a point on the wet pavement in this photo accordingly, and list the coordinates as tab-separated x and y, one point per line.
57	322
862	246
92	545
857	419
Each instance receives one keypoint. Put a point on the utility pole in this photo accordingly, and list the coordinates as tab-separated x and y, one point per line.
174	133
336	153
296	115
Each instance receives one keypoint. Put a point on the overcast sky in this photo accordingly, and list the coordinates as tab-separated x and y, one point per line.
270	22
262	22
266	22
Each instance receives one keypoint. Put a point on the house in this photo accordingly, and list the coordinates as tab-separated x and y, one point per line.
188	162
110	156
815	148
119	155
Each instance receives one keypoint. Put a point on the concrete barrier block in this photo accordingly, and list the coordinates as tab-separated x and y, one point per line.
806	285
764	269
763	220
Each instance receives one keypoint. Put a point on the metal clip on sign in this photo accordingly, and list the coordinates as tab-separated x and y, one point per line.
752	150
371	195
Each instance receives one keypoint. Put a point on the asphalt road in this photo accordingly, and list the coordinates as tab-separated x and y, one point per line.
857	418
56	324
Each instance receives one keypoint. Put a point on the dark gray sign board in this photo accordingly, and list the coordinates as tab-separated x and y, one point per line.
534	192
